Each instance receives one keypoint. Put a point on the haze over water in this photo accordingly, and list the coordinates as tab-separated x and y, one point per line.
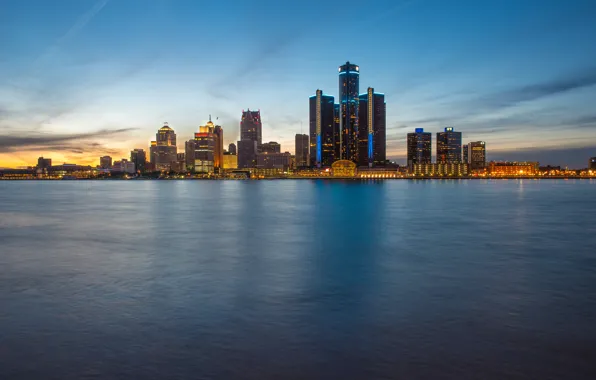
298	279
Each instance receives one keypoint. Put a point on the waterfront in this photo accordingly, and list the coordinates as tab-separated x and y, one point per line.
315	279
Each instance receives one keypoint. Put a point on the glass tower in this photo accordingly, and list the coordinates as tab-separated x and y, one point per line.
349	85
449	147
372	135
419	147
322	132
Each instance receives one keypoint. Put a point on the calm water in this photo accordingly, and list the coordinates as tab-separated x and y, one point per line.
298	279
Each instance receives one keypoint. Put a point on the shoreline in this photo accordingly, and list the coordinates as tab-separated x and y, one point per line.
304	178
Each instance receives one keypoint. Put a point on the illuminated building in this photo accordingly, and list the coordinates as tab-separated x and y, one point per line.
139	159
449	146
321	128
476	155
247	153
372	135
419	147
205	143
379	172
44	163
251	127
349	78
271	147
163	150
336	132
180	165
232	149
302	150
343	168
230	161
219	150
105	162
274	161
465	154
513	168
440	169
592	163
189	154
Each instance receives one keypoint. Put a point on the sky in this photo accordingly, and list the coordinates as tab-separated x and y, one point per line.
80	79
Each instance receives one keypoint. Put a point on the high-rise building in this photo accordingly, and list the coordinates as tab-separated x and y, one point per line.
419	147
336	132
230	161
105	162
163	150
476	155
271	147
302	151
251	127
449	146
322	133
219	150
205	145
189	154
44	163
247	154
465	151
274	160
372	135
232	149
349	82
139	159
592	163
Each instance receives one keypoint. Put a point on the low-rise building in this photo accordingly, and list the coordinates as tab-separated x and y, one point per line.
457	169
506	169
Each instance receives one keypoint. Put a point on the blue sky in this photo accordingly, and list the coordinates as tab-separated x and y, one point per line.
84	78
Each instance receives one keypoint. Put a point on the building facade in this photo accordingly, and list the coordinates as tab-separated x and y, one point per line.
440	169
511	169
271	147
449	146
139	159
163	150
592	163
476	155
274	161
372	135
247	154
44	163
230	161
205	146
232	149
302	151
251	127
105	162
321	128
419	145
349	87
219	149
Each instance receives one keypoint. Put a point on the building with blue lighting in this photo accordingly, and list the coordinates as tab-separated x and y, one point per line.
322	131
449	146
419	147
349	85
372	129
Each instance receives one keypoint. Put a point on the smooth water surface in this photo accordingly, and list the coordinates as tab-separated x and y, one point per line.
298	279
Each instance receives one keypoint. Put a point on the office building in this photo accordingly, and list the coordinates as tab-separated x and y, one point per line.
349	78
189	155
321	128
440	169
592	163
232	149
44	163
204	152
513	168
105	162
247	154
230	161
449	146
271	147
476	155
419	147
139	159
466	158
274	161
163	150
372	132
336	132
251	127
219	150
302	151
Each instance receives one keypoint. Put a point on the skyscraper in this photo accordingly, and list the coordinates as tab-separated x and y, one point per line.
219	150
251	127
449	146
322	133
302	149
372	132
349	78
163	150
271	147
336	132
205	143
139	159
465	151
189	154
247	154
232	148
477	155
419	147
44	163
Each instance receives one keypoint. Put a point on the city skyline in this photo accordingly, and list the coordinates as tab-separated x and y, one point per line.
518	76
